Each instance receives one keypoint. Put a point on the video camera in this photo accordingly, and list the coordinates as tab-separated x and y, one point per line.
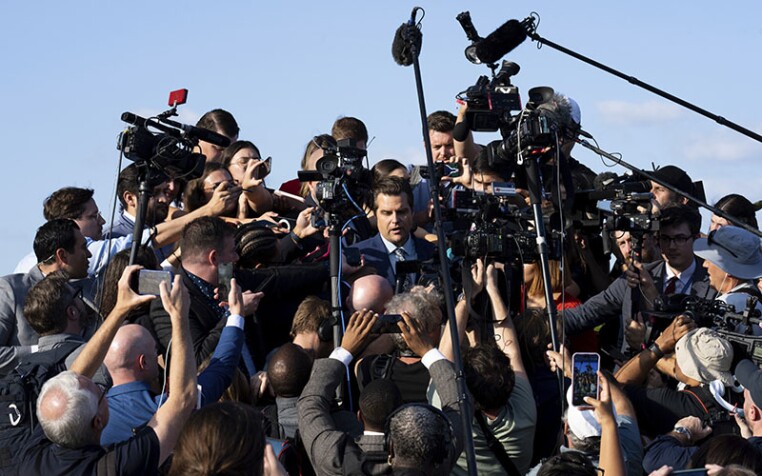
341	177
490	102
165	147
736	327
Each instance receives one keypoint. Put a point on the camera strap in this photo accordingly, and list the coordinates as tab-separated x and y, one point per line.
496	447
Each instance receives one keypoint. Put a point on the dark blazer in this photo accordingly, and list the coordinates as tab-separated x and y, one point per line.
16	335
377	256
330	449
616	300
282	287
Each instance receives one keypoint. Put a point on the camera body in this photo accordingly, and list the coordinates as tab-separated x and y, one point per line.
490	102
341	176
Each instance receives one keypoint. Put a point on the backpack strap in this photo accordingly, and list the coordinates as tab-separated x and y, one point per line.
496	447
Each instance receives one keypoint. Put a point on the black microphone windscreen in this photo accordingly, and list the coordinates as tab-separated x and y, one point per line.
406	37
604	179
501	41
460	131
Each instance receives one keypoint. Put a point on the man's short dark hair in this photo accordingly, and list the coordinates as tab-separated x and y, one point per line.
441	121
46	303
68	202
481	165
127	182
221	121
53	235
203	235
677	214
377	401
570	463
489	376
393	186
289	370
349	128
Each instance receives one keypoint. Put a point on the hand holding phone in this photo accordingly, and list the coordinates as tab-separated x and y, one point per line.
387	324
262	168
224	275
149	281
585	366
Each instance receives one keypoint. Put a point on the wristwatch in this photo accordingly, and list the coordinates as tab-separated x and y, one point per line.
681	430
654	347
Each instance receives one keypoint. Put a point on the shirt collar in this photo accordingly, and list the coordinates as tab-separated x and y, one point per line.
684	277
128	216
372	433
409	246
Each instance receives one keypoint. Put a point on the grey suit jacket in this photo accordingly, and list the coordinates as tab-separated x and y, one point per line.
616	300
16	336
328	447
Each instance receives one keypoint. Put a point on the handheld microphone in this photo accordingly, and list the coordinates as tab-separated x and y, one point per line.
461	130
500	42
407	41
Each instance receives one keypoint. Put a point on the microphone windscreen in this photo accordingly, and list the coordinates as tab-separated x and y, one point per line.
460	131
604	179
405	37
501	41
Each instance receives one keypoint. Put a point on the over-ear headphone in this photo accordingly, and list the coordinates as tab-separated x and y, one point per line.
447	434
325	329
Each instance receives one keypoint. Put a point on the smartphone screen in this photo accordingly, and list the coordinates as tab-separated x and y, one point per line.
585	367
149	280
224	275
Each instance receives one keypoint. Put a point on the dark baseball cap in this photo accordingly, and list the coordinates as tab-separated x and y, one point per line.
676	177
749	375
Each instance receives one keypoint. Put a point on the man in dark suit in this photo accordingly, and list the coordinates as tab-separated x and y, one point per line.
58	245
419	435
394	242
678	272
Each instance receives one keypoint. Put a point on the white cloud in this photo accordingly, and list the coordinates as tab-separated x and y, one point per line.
638	114
722	147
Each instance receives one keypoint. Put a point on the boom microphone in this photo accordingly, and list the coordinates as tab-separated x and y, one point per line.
407	41
500	42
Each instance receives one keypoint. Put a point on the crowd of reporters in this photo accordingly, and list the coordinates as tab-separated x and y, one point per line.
210	376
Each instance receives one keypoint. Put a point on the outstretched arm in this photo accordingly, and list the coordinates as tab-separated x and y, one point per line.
170	418
91	357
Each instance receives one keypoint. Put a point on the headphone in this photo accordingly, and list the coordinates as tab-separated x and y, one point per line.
717	389
325	329
441	453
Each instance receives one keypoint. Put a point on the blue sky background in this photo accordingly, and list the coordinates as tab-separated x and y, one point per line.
288	69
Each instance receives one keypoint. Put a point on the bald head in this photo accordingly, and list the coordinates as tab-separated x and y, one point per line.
371	292
132	355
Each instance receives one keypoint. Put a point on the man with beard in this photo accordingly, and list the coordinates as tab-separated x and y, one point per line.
127	189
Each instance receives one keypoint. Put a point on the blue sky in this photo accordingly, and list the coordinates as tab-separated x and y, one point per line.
288	69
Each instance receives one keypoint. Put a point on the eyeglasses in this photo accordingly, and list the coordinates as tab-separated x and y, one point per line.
243	161
213	187
678	240
78	294
103	393
93	216
711	241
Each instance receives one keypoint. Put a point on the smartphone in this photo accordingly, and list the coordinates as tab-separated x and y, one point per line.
387	324
585	367
317	220
277	445
224	275
263	170
149	280
691	472
352	256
